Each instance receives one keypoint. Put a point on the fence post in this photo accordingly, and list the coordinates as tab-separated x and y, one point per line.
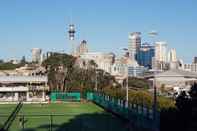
23	122
51	122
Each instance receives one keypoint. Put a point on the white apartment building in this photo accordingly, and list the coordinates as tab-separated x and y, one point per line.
172	55
36	55
190	67
127	67
103	60
160	51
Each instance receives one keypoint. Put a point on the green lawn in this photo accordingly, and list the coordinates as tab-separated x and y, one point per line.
65	117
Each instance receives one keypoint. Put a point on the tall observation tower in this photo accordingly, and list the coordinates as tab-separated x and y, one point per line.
71	33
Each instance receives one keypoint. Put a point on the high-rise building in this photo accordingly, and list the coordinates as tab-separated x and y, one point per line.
172	55
82	48
134	44
145	55
160	55
172	59
160	51
36	55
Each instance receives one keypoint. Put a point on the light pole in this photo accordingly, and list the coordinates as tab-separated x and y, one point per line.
127	87
96	81
127	82
153	34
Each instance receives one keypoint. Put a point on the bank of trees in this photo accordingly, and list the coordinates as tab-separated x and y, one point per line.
137	83
10	66
65	75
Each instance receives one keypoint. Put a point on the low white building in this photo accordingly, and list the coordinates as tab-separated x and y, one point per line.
23	88
190	67
175	78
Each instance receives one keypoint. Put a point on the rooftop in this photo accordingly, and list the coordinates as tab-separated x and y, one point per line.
23	79
177	73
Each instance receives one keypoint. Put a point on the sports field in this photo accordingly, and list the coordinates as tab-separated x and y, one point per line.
62	117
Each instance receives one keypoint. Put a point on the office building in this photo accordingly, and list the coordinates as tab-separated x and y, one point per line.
134	44
160	51
172	59
160	61
82	48
195	60
172	55
145	55
36	55
133	69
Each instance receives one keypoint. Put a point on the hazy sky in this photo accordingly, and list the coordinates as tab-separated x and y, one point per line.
105	24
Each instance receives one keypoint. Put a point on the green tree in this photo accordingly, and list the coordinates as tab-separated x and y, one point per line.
59	66
9	66
137	83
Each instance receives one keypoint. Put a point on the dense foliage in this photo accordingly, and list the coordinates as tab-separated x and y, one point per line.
138	83
65	75
9	66
141	97
184	116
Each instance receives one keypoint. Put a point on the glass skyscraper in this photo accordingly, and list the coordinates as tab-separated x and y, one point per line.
145	54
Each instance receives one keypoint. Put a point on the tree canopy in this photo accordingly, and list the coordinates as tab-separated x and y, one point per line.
65	75
137	83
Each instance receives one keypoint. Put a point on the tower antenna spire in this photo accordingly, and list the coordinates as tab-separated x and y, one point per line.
71	33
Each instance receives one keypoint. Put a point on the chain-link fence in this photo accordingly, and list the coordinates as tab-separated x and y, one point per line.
140	115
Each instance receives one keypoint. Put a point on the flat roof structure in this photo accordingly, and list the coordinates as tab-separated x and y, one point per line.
177	73
23	79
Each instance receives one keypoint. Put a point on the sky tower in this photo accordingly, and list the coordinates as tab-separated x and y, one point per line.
71	33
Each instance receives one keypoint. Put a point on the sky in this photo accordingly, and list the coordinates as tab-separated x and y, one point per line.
105	24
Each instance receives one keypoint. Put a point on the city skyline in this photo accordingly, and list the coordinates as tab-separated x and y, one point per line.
104	24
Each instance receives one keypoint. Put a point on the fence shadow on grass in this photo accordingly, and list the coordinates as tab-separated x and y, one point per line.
87	122
94	122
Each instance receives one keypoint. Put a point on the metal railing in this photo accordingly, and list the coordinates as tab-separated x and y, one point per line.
139	115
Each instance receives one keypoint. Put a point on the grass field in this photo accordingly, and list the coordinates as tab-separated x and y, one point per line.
64	117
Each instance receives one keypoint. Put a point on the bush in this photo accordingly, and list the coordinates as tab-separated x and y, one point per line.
138	83
9	66
140	97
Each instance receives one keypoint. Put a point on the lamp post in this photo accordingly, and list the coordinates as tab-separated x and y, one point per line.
153	34
96	81
127	88
127	81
